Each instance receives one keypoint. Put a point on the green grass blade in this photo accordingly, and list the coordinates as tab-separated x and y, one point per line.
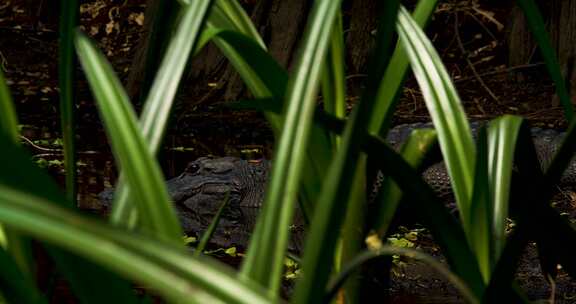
445	110
534	191
267	79
499	288
502	135
231	13
15	286
159	102
142	259
253	64
160	99
28	202
333	76
66	70
334	80
387	250
285	176
8	118
395	73
165	15
489	208
212	227
538	28
414	151
16	246
481	208
252	67
340	184
430	210
143	174
261	73
334	101
90	283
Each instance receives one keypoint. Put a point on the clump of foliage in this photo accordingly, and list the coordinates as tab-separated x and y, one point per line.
320	154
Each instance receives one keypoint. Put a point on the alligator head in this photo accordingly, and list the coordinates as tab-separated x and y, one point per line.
201	189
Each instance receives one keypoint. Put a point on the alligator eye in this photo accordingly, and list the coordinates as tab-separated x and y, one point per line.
192	168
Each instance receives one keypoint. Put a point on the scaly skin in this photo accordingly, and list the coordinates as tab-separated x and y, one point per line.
200	190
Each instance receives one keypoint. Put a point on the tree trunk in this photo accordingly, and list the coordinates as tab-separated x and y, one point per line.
279	22
150	47
563	29
561	25
360	37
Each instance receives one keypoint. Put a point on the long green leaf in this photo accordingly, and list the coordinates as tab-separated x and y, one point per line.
499	288
212	227
445	110
387	250
414	150
481	208
535	190
232	13
142	172
28	203
333	78
152	263
161	97
538	29
285	176
430	210
15	286
16	246
253	67
66	69
502	135
338	190
8	118
393	79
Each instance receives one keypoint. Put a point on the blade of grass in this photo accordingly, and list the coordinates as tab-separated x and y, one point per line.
66	70
90	283
265	78
334	102
153	264
160	100
538	28
414	150
536	189
333	76
8	118
387	250
17	246
252	67
481	207
502	135
28	200
340	180
285	176
430	210
212	227
142	172
393	79
499	289
231	12
163	15
16	287
445	110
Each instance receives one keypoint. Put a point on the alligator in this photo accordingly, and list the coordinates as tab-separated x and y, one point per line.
200	190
